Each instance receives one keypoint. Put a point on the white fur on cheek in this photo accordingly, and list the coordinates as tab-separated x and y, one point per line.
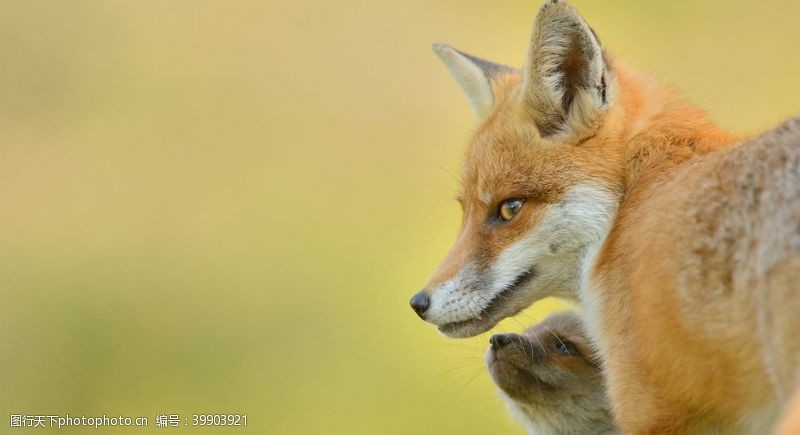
562	245
521	255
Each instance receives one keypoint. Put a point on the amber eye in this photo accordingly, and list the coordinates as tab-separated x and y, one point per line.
509	208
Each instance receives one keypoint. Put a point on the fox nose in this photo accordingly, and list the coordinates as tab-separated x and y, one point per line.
499	340
420	303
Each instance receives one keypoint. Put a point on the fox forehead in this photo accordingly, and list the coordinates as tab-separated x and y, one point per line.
505	161
507	157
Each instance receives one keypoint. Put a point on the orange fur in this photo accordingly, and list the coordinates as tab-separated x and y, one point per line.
790	422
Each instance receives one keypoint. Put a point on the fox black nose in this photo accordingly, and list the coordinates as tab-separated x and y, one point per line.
420	302
499	340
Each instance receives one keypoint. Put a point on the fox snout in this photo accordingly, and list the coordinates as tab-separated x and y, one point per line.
498	341
508	354
513	347
420	303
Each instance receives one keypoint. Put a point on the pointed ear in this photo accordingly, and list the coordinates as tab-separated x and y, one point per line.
566	81
474	75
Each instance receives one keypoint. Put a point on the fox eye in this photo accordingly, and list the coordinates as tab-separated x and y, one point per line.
567	348
509	208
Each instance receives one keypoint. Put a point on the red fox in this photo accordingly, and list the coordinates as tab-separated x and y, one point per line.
587	180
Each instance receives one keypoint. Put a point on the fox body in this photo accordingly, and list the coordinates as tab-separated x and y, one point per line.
550	378
587	180
696	297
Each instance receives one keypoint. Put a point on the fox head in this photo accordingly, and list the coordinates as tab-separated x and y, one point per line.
542	179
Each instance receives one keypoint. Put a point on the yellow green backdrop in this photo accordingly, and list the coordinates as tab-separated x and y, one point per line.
225	206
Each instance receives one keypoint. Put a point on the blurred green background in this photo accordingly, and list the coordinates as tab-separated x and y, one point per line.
225	206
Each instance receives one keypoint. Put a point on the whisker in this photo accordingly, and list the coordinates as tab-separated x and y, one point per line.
540	343
556	336
475	376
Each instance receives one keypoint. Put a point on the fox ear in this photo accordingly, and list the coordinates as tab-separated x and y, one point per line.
566	80
474	75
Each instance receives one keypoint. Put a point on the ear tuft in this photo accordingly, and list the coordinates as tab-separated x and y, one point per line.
474	75
566	79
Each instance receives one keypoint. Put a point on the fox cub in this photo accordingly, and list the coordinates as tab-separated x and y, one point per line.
550	378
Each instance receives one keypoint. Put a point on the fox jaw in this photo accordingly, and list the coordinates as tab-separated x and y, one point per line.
542	177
